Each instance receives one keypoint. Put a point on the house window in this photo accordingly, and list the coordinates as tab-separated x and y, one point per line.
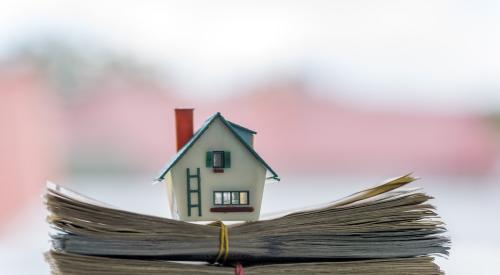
217	198
235	197
226	198
218	160
243	197
231	197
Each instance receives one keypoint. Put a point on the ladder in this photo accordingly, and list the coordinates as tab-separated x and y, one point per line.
191	190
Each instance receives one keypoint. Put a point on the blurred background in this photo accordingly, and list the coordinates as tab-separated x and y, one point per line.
343	94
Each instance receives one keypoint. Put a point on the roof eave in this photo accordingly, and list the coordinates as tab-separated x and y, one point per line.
241	127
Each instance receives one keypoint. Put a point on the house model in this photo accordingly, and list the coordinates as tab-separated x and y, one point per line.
216	173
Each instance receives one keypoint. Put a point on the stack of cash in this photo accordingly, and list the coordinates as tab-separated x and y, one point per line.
64	263
375	231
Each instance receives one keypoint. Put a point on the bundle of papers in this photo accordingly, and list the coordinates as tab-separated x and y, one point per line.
63	263
381	228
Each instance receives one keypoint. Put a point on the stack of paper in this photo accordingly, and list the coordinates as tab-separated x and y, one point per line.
375	231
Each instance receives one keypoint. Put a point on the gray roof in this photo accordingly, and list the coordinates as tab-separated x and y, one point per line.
237	126
231	126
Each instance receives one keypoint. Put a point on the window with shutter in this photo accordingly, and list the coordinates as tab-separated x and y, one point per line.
218	160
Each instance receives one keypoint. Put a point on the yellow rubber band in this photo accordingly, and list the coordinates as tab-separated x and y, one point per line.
223	242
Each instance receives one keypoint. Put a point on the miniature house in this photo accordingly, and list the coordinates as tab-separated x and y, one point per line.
216	173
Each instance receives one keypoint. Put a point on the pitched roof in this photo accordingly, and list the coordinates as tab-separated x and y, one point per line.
231	126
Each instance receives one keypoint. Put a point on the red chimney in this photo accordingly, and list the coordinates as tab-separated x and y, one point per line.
183	126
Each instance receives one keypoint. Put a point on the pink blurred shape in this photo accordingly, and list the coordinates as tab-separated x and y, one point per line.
130	119
30	141
301	132
296	131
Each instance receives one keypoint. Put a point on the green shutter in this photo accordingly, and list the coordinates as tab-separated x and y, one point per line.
210	160
227	159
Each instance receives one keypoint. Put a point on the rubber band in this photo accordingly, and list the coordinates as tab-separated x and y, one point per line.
238	269
223	242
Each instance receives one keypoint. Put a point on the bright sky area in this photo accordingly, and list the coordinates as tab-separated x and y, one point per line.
434	53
